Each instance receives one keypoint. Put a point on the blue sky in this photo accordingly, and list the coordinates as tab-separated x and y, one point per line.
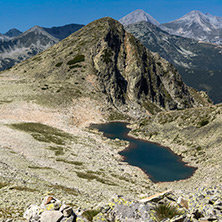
23	14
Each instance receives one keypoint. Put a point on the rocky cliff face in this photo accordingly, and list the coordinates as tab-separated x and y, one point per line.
198	63
122	68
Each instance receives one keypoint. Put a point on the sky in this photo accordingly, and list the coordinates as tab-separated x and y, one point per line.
24	14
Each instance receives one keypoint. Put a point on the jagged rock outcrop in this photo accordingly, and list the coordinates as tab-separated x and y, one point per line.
123	69
199	63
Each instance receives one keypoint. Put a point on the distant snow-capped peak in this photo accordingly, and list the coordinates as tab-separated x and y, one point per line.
196	25
138	16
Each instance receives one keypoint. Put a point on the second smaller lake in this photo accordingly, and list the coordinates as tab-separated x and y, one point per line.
160	163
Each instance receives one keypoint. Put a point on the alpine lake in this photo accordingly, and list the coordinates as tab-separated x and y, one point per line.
159	163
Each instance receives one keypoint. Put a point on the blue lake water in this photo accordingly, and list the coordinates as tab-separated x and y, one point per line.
160	163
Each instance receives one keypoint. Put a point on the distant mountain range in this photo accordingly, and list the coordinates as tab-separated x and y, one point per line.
195	25
198	62
16	46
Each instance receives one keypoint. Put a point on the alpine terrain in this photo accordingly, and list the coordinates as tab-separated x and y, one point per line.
98	74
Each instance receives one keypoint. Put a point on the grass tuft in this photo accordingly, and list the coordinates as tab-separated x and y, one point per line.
77	59
89	214
166	210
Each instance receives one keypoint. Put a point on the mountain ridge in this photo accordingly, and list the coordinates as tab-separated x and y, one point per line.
197	25
29	43
125	72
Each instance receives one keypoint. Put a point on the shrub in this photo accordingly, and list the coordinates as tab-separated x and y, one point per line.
77	59
58	64
166	210
203	122
89	214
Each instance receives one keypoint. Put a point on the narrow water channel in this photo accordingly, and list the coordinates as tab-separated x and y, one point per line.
160	163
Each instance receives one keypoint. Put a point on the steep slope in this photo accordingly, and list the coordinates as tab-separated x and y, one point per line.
16	49
199	63
13	33
121	69
137	16
196	25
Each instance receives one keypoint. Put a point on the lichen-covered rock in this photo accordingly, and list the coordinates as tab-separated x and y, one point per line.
50	210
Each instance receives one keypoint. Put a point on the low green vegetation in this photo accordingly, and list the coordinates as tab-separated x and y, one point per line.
166	210
57	149
58	64
43	133
92	176
76	59
39	168
66	190
26	189
77	163
3	185
89	214
75	66
203	122
117	116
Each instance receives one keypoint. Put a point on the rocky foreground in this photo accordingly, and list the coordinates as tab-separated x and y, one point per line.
203	204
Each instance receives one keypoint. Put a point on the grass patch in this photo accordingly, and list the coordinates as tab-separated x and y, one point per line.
58	64
26	189
77	163
77	59
57	149
166	210
5	101
43	133
117	116
68	190
3	185
121	178
89	214
90	175
10	212
203	122
75	66
39	168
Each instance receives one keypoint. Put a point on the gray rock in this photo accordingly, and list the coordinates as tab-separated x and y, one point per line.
51	216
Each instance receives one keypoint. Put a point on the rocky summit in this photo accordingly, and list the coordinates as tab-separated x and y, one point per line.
103	59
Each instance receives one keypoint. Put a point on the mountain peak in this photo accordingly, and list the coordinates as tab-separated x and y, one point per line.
13	32
113	66
138	16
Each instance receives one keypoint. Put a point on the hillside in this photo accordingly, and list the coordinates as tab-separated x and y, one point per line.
100	73
103	61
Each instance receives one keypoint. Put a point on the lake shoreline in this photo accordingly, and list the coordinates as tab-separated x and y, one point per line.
129	137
